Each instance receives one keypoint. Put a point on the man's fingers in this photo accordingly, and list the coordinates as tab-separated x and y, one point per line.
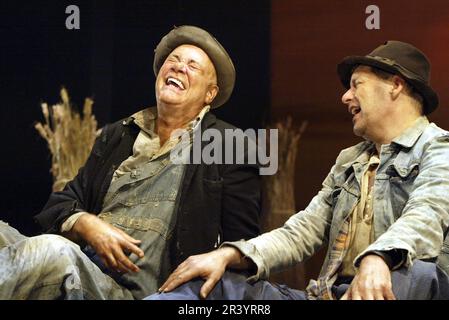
109	260
168	282
170	278
132	248
389	295
105	262
207	287
355	294
379	294
370	295
175	282
176	279
171	283
175	274
124	261
121	268
128	237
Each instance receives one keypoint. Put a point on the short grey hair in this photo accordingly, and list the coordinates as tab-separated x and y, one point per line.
408	87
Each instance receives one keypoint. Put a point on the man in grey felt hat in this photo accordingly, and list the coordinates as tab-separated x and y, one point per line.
383	210
135	213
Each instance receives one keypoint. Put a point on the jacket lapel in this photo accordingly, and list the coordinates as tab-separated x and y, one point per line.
208	121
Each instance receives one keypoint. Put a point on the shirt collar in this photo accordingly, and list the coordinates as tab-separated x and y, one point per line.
409	137
145	119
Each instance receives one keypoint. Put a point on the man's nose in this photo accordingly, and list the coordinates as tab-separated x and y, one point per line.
180	67
347	96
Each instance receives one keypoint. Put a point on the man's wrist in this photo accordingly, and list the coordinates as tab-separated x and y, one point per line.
385	256
393	258
233	255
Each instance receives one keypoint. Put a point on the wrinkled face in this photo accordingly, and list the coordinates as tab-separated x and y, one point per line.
186	79
367	100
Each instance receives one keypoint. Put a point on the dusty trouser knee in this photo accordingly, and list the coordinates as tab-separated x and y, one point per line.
9	235
423	281
52	267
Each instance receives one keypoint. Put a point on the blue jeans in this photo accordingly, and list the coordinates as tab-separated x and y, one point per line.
424	281
232	286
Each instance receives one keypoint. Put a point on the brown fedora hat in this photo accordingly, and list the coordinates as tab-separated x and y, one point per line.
400	58
202	39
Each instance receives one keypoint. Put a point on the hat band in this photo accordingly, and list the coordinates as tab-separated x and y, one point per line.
393	63
384	60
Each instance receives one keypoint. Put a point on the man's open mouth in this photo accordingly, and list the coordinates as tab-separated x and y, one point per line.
175	83
354	110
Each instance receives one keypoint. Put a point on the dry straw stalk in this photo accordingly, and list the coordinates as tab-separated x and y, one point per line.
280	187
69	136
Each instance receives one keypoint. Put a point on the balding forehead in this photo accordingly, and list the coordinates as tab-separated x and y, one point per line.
201	54
202	58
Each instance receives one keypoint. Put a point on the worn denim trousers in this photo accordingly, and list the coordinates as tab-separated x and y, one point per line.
50	267
423	281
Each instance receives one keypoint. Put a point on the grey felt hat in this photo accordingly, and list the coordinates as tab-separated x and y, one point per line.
198	37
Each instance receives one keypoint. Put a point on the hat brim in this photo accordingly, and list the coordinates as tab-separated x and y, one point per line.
202	39
346	67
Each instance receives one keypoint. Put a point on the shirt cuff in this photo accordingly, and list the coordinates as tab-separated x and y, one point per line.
250	252
70	221
394	258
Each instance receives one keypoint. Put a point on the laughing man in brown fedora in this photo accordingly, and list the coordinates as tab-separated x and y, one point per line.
383	210
135	213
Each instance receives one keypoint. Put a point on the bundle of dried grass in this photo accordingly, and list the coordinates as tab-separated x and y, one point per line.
280	192
69	136
280	186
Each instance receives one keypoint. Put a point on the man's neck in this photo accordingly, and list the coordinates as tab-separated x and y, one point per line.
171	118
395	131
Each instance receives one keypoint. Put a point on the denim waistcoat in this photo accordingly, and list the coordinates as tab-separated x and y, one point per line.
142	203
410	203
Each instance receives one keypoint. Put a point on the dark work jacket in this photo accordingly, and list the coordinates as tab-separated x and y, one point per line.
217	202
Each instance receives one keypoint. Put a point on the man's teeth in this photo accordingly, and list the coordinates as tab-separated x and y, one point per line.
355	110
175	82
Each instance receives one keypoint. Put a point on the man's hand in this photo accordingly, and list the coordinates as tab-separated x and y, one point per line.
372	282
109	242
209	266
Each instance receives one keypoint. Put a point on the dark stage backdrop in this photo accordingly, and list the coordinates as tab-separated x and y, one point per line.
109	58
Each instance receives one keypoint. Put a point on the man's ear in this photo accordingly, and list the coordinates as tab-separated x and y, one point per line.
211	93
398	86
